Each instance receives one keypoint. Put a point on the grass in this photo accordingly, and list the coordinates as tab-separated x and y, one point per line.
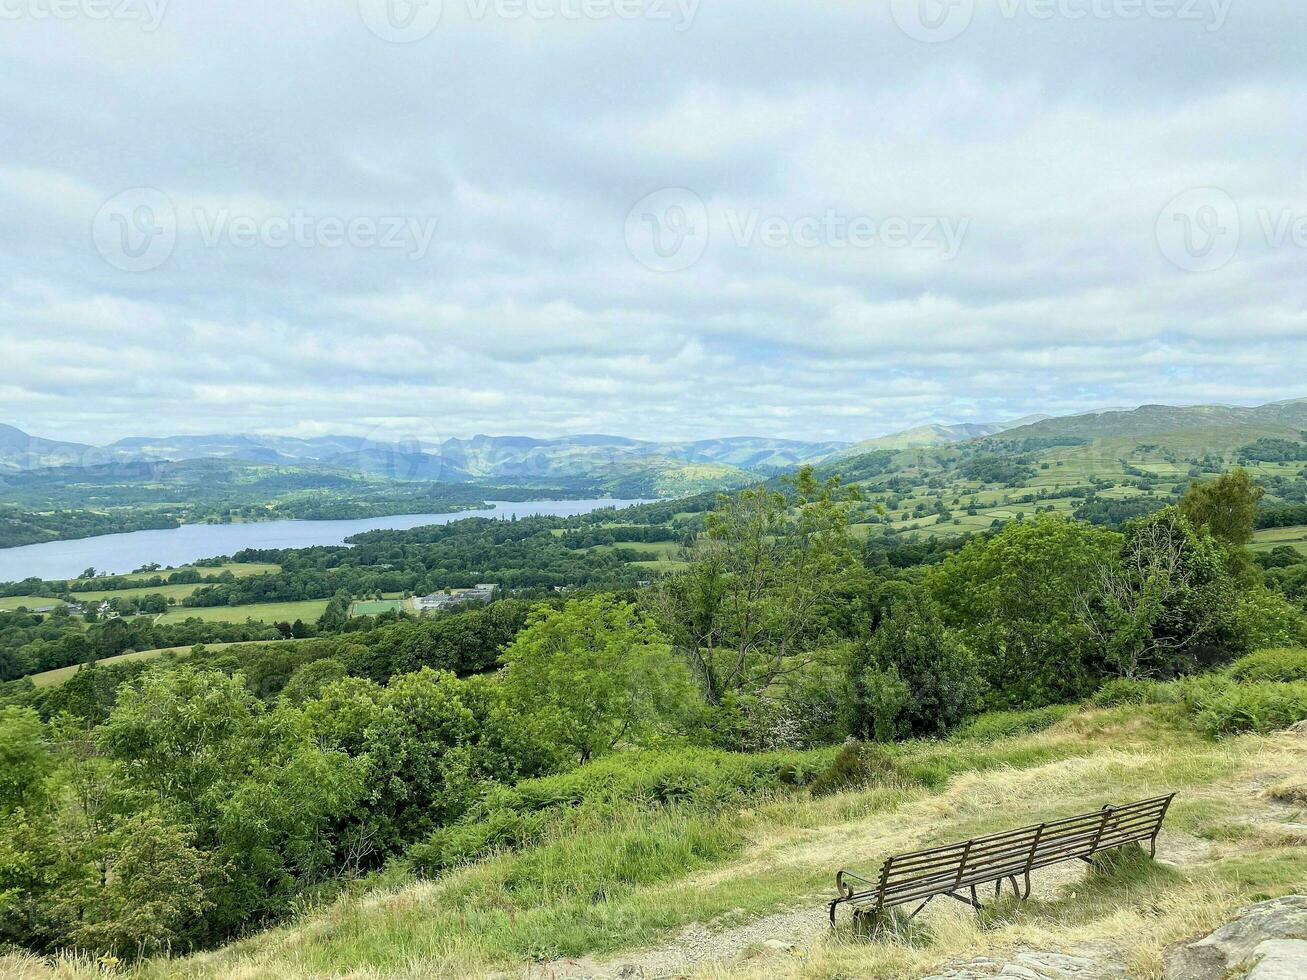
614	882
375	607
263	612
50	678
10	603
1280	537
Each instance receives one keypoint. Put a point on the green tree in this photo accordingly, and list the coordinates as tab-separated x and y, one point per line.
913	676
147	897
751	607
1165	600
596	674
1017	602
1226	506
308	680
26	761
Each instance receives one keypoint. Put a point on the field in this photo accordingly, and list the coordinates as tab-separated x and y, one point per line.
238	569
264	612
1279	537
52	678
375	607
619	891
10	603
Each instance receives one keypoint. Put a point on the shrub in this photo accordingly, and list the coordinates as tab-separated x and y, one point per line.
1270	665
1004	724
538	810
862	764
1232	708
1124	690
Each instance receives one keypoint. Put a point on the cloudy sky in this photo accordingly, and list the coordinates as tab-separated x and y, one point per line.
656	218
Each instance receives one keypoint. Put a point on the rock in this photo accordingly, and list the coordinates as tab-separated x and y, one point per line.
1097	961
628	970
778	945
1299	729
1280	959
1237	942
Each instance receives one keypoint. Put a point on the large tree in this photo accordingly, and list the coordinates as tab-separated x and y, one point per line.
1226	506
595	674
1166	601
1016	599
751	608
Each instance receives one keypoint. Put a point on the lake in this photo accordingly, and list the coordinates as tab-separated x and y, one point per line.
117	553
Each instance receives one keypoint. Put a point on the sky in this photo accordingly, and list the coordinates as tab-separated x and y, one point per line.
665	219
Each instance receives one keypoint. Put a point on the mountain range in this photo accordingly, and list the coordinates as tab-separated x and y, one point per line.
617	463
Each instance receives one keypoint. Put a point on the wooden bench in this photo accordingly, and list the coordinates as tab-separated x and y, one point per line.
957	870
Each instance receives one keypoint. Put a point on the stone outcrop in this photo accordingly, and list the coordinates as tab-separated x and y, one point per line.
1269	940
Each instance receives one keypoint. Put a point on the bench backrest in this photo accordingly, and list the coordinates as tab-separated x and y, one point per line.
918	875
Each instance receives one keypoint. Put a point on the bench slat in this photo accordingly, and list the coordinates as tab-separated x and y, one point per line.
946	869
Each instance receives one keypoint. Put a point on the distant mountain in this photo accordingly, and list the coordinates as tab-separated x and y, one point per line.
19	451
609	464
1226	422
933	435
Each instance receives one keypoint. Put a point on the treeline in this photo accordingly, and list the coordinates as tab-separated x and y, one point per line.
34	642
20	527
1283	515
1273	451
520	554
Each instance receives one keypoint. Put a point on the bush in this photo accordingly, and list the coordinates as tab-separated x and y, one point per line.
1232	708
1005	724
861	764
536	810
1270	665
1124	690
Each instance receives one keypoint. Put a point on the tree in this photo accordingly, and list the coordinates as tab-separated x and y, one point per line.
596	674
148	897
308	680
913	676
25	760
750	608
1016	601
1226	506
1165	600
336	615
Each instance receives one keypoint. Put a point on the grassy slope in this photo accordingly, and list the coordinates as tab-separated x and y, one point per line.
1278	537
635	881
264	612
52	677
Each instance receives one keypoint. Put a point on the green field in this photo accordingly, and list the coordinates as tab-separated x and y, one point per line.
52	678
178	592
375	607
264	612
10	603
1279	537
239	569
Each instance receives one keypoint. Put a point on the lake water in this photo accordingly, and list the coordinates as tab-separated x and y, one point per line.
119	553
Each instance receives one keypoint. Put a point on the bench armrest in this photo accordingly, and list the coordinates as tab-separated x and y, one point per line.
843	879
